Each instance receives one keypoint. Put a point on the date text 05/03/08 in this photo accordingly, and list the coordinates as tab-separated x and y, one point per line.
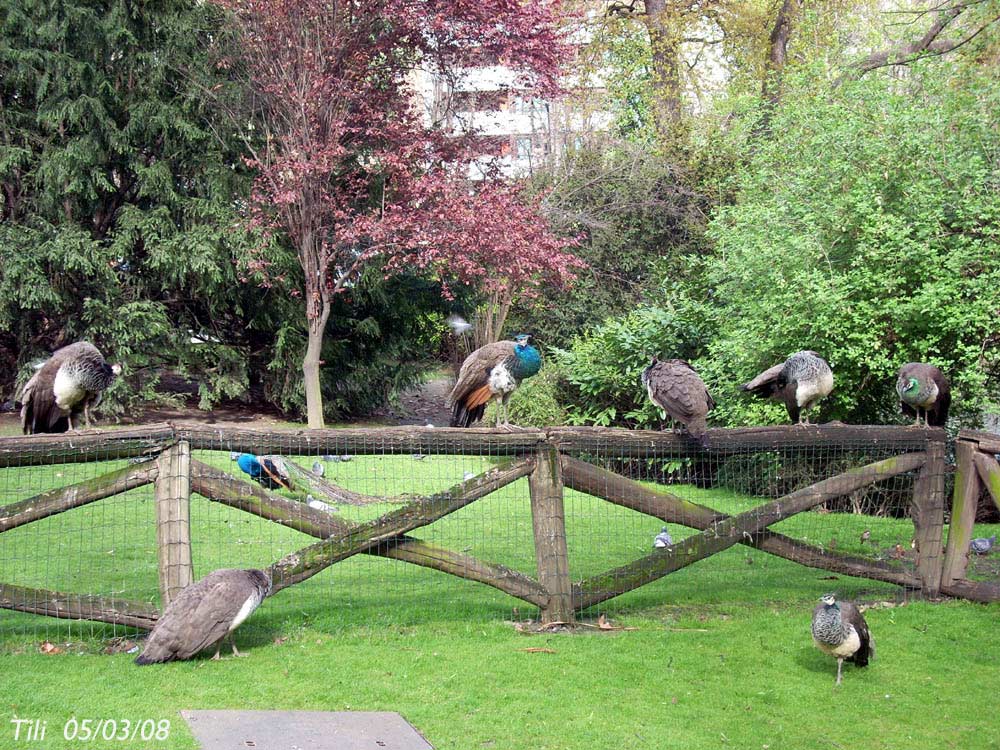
87	730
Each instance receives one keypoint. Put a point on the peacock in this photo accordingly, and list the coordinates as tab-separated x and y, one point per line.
268	471
924	388
493	371
801	381
839	629
69	383
204	613
674	386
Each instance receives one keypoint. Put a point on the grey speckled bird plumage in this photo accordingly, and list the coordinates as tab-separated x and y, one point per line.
68	384
839	629
204	613
924	388
800	382
674	386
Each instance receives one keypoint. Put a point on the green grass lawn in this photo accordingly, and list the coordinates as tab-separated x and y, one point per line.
716	655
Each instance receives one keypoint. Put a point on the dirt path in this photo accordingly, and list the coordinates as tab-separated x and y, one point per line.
423	404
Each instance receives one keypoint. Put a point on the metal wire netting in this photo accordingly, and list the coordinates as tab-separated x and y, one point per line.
439	525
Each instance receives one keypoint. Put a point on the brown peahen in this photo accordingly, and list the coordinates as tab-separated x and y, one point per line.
204	613
68	384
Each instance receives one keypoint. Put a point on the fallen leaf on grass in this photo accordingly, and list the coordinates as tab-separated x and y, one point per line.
49	648
536	650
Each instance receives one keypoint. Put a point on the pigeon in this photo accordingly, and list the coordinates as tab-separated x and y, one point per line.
467	476
662	539
982	545
318	504
318	469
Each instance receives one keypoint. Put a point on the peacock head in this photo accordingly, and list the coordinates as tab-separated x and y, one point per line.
829	600
522	340
912	385
248	463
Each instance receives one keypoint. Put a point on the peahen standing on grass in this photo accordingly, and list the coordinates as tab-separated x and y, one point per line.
492	372
839	629
67	385
268	471
678	391
800	382
924	388
204	613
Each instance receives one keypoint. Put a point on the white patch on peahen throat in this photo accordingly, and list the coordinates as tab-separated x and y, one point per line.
67	390
502	380
245	611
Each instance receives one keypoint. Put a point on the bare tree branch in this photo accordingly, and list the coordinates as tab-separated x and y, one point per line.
929	45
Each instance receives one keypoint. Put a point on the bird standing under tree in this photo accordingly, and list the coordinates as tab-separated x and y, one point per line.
492	372
68	384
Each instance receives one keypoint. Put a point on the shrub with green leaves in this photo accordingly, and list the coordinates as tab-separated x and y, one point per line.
602	367
867	229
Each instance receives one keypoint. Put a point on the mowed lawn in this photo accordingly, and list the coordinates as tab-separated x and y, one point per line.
716	655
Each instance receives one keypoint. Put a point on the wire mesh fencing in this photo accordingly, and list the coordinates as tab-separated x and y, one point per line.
399	527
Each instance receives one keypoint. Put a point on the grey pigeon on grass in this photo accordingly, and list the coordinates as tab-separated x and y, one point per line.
662	539
982	545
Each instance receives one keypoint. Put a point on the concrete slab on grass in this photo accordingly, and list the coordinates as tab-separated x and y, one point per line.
303	730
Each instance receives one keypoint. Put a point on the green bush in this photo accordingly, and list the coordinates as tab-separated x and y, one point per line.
535	403
868	230
602	368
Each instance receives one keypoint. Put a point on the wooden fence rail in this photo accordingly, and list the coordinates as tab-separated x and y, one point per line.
551	459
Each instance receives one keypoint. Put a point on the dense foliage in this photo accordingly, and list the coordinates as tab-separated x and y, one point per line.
117	194
867	227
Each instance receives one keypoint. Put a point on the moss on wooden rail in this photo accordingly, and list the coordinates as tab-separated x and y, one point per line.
72	496
307	562
733	529
78	606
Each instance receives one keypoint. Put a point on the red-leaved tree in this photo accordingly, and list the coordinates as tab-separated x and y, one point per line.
351	171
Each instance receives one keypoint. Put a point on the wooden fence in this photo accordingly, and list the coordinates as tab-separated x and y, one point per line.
551	459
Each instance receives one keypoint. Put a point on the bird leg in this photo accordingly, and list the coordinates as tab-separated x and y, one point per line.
232	642
840	665
86	415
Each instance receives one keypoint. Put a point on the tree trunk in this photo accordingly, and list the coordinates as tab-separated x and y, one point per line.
317	313
310	368
663	24
774	66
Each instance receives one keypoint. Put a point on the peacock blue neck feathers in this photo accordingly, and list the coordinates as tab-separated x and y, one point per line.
528	361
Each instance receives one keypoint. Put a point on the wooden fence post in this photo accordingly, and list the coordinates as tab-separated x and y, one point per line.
548	520
927	511
173	520
964	500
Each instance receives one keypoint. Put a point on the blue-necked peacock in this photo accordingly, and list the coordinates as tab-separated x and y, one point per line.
492	372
